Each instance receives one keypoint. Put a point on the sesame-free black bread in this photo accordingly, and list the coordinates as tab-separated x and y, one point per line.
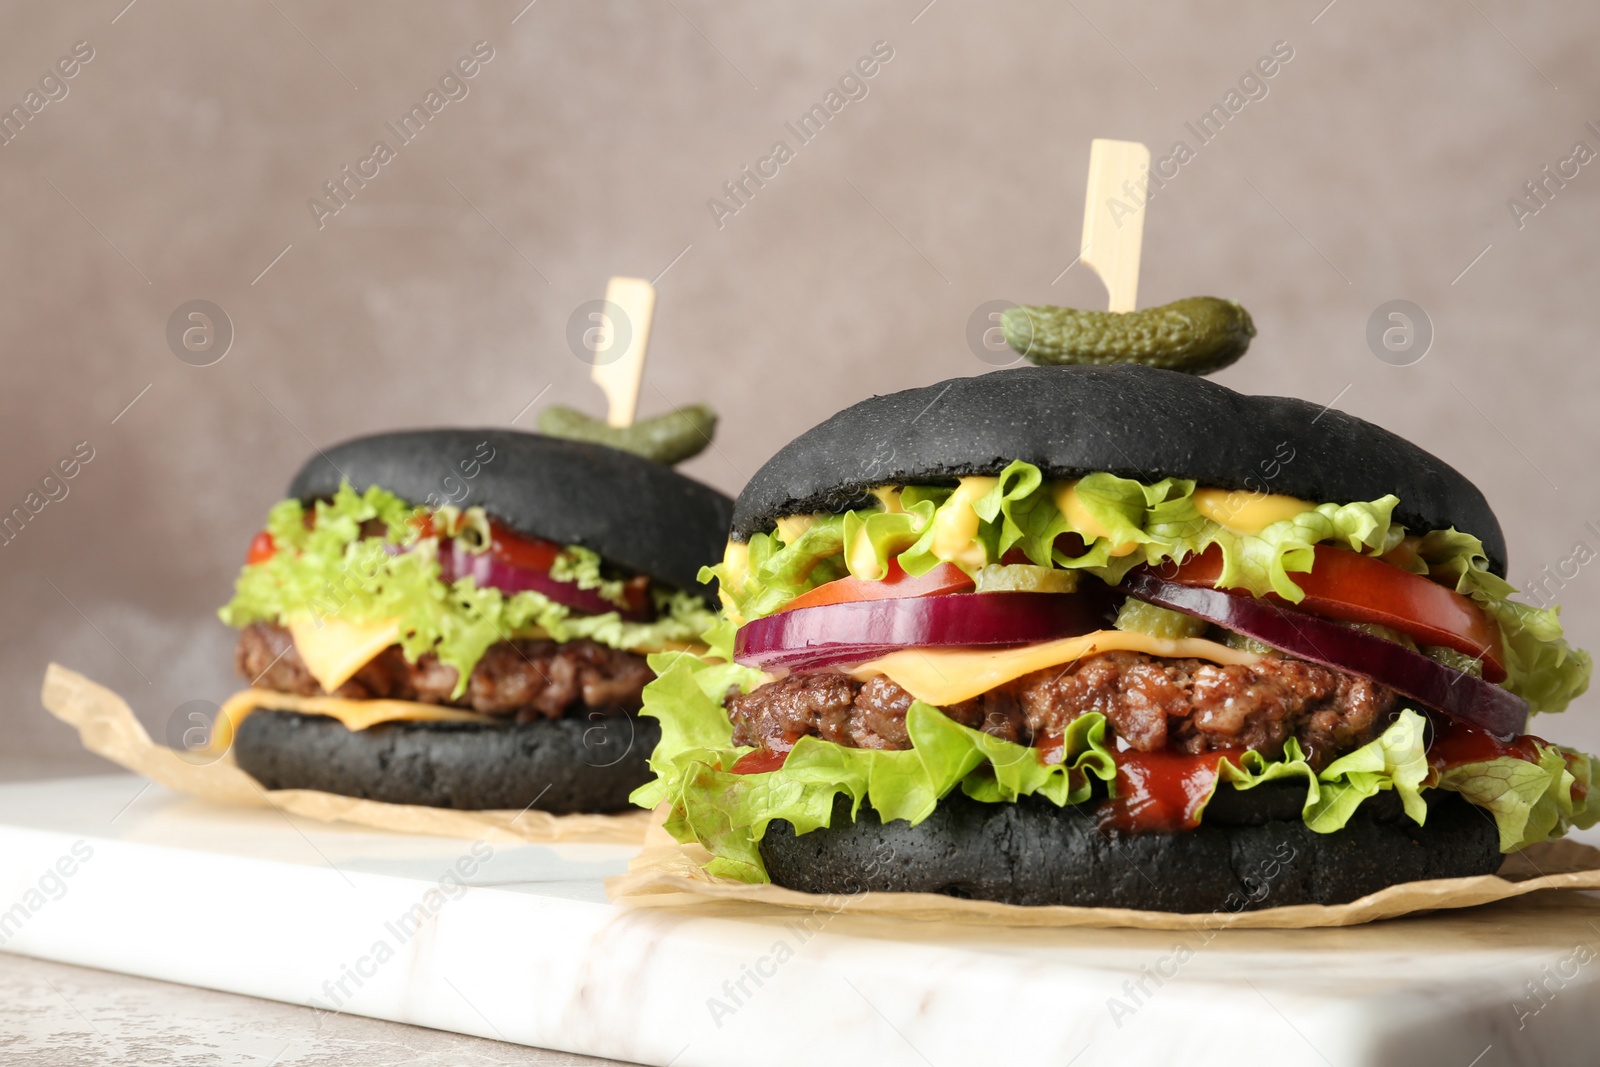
634	512
574	764
1133	421
1252	851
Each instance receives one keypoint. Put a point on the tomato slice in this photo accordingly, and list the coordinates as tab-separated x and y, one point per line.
895	585
530	553
636	591
537	554
1350	587
262	548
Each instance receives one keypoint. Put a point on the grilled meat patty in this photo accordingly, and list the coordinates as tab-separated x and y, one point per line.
1150	704
523	680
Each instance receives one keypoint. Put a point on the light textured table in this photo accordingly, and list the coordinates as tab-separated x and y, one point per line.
54	1015
518	942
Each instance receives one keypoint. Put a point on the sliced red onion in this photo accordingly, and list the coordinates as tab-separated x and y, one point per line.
1455	693
455	562
829	634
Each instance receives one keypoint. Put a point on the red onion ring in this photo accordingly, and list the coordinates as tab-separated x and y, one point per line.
829	634
1455	693
487	572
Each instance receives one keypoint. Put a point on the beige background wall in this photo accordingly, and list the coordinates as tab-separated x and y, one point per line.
180	161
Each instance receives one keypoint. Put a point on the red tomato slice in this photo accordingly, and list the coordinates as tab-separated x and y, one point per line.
897	584
530	553
1350	587
262	549
537	554
636	591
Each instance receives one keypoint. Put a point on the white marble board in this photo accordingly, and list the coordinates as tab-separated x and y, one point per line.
519	943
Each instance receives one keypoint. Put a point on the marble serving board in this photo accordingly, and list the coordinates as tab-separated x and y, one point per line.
518	943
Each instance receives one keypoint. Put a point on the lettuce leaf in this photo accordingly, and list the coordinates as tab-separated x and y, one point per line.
1144	523
729	813
1530	801
1540	666
327	568
1131	523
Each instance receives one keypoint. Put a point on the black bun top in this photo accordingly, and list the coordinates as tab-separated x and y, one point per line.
1137	422
634	512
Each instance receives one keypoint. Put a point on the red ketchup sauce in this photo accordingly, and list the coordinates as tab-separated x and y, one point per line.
1162	791
1456	743
759	762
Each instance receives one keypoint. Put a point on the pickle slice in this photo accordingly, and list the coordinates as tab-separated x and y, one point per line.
1138	617
670	438
1198	334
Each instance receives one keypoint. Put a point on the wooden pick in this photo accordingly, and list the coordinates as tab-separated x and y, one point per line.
619	379
1113	222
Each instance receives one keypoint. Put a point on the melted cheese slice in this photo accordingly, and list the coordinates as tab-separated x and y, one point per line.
889	497
862	558
355	714
792	527
942	677
333	649
955	527
1247	513
736	568
1069	504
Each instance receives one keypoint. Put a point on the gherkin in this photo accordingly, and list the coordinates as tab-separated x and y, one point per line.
670	438
1198	334
1136	616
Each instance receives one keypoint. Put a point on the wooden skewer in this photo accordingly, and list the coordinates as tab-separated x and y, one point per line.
1112	239
620	378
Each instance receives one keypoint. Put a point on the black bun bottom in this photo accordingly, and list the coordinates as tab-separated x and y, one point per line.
1252	851
562	766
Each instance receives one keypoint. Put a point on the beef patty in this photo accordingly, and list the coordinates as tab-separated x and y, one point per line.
523	680
1150	704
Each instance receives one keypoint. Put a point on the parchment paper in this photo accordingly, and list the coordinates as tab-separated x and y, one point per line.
108	728
667	874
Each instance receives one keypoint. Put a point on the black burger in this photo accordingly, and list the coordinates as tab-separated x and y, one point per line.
1114	636
459	618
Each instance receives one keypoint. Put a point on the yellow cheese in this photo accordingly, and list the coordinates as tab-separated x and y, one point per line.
355	714
956	526
333	649
737	562
736	568
889	497
942	677
792	527
1068	503
861	558
1247	513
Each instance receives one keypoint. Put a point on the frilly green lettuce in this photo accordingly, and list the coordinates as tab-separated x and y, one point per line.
1159	522
1540	666
729	813
327	569
1530	801
1151	524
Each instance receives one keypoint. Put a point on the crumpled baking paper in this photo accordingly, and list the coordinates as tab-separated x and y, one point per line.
667	874
108	728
